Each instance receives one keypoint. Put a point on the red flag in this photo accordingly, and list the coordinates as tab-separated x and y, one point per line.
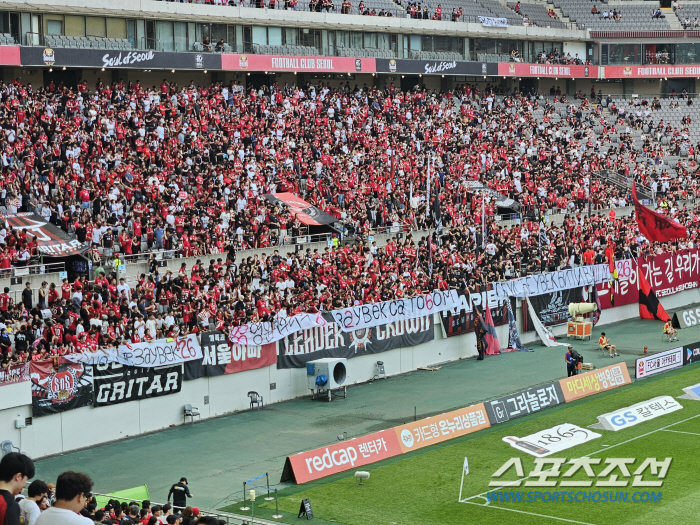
656	226
649	306
493	347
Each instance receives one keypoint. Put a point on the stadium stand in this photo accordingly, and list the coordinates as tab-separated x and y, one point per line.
542	161
626	16
88	42
286	50
537	14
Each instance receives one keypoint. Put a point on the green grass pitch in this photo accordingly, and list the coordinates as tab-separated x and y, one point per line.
423	487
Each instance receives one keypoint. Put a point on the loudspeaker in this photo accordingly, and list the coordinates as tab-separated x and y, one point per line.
581	308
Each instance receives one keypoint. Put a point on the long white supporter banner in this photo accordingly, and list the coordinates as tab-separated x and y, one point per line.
160	352
490	21
371	315
271	332
560	280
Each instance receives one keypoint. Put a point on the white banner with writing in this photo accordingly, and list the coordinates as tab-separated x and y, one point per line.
551	282
490	21
270	332
160	352
638	413
552	440
371	315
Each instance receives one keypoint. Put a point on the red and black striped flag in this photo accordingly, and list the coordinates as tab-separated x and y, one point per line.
649	306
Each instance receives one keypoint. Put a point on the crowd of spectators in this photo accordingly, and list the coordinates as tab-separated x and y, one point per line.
71	502
127	168
557	57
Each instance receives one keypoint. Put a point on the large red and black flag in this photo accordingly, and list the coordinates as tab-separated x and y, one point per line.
649	306
656	226
486	333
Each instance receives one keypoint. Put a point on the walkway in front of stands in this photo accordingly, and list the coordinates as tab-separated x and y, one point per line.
218	455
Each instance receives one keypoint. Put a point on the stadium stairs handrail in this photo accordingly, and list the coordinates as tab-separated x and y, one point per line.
231	519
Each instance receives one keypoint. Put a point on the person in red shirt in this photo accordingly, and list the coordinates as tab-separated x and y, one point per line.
66	292
57	334
5	301
53	294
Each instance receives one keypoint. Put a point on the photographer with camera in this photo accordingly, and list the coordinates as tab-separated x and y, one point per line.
570	362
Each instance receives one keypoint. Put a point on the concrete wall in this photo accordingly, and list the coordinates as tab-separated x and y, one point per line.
575	47
67	431
64	432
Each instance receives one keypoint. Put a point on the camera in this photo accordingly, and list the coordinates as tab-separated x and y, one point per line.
577	358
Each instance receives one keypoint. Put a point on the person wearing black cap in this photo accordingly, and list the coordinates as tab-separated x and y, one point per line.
180	492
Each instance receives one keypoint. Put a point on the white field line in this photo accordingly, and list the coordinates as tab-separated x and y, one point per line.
681	432
518	481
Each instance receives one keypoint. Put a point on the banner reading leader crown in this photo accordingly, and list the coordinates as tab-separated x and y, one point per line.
330	341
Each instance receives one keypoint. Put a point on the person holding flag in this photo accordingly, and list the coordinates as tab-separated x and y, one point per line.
486	338
480	331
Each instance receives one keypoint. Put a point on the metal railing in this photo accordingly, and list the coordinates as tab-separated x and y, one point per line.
33	39
231	519
33	269
149	43
161	255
